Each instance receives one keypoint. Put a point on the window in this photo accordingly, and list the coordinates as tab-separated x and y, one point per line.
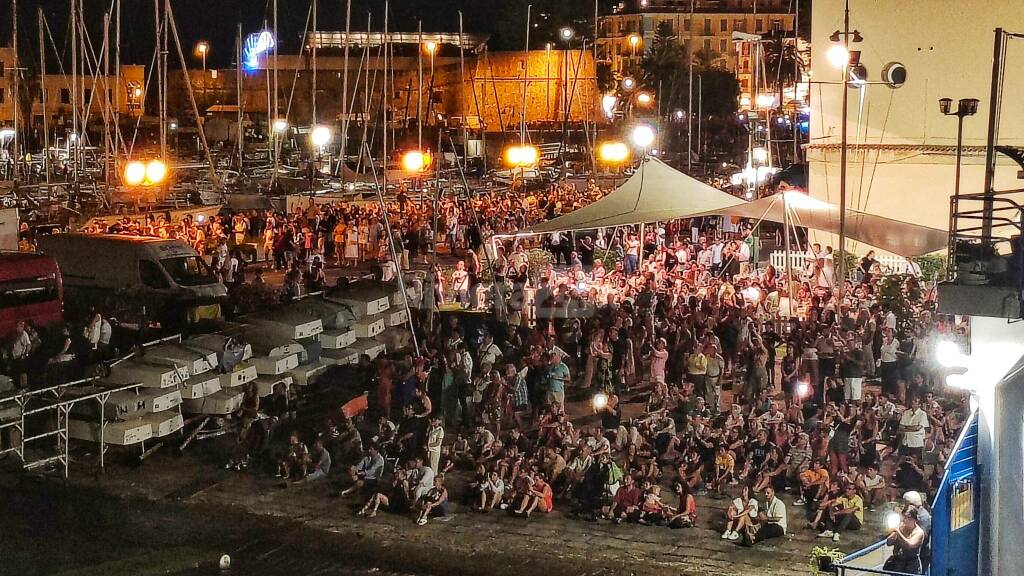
723	25
1	68
1	96
88	95
723	45
740	25
707	26
686	24
758	25
188	270
707	46
25	291
152	276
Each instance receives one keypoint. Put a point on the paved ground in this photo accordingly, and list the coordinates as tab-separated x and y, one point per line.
196	483
195	509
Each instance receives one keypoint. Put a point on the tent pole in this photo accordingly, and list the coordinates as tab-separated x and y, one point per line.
789	255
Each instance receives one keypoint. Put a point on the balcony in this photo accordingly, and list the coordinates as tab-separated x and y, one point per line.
986	258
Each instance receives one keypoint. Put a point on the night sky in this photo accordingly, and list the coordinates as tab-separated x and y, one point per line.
216	20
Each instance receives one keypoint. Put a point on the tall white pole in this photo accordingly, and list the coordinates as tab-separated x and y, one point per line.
42	91
689	104
313	52
419	87
526	77
344	85
17	86
73	137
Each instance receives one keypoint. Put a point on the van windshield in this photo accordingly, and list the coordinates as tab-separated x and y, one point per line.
188	270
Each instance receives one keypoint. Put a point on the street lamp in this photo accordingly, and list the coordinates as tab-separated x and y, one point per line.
319	136
416	161
430	47
280	125
521	155
566	33
642	136
613	152
839	56
138	173
202	48
964	107
634	41
628	83
644	98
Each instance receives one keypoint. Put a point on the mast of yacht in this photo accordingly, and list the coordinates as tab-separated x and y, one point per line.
313	55
344	87
73	137
16	84
238	89
42	91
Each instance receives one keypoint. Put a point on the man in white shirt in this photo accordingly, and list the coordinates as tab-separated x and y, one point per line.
913	427
774	525
716	255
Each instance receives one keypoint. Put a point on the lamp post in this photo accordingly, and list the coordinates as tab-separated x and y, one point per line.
566	34
964	107
202	48
839	56
634	41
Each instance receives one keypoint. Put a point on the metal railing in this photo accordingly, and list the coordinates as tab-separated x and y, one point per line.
53	400
984	239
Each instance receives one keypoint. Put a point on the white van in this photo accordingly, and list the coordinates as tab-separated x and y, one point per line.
112	262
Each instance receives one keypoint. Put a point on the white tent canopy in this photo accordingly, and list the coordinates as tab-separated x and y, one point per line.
900	238
653	193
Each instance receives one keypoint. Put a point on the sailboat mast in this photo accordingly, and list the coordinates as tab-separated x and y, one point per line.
313	52
344	86
42	92
16	83
73	137
238	88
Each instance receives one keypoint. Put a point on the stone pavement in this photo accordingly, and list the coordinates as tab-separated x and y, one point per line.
469	542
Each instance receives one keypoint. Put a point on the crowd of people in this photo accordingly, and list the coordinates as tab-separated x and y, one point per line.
627	396
641	370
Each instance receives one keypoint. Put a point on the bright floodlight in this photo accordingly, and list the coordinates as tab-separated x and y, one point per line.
765	100
752	293
802	389
415	161
320	136
948	354
760	155
628	83
744	101
566	33
600	400
6	133
644	98
203	48
156	171
680	114
134	173
892	521
521	156
634	39
613	152
608	102
430	47
643	136
280	125
838	56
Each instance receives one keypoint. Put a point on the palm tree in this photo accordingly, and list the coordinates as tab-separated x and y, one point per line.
782	64
664	64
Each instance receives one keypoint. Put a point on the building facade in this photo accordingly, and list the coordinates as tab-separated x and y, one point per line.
489	92
705	26
902	149
7	64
